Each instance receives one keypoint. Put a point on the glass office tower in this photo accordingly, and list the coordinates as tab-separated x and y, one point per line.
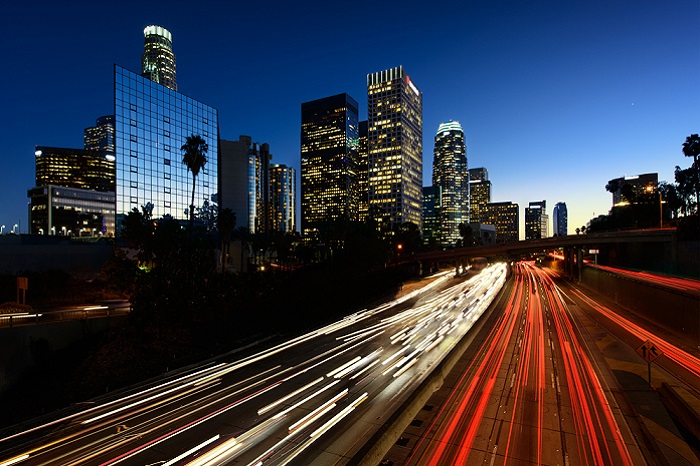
560	219
395	147
282	198
451	176
431	212
158	59
152	122
101	136
329	180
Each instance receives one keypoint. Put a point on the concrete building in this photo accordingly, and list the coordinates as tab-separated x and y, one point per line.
245	182
505	216
630	187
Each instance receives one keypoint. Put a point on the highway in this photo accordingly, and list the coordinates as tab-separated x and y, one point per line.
312	400
531	393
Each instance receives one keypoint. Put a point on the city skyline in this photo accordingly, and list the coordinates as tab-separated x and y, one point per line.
595	91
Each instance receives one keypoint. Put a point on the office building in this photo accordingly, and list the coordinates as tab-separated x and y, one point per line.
624	190
479	193
505	216
282	198
362	174
101	136
152	122
329	162
536	220
431	219
68	211
395	148
560	220
158	59
451	179
245	183
74	168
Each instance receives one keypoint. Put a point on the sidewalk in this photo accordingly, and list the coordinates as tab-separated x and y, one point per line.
659	434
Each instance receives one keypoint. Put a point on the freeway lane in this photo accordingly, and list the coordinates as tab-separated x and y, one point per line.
529	395
312	400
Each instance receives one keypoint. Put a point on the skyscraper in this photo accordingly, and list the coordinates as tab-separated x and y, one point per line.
560	219
505	216
536	220
158	59
101	136
431	211
282	198
329	179
152	122
395	148
451	180
362	173
479	193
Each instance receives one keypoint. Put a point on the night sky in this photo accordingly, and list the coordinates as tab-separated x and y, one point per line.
555	97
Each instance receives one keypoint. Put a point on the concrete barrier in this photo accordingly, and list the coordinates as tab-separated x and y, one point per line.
23	347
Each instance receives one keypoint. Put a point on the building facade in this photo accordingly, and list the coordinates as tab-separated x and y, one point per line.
101	136
631	187
152	122
505	216
560	220
362	173
282	198
395	148
431	215
74	168
451	179
479	193
66	211
158	59
536	220
329	162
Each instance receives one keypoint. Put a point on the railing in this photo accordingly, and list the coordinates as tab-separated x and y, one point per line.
44	317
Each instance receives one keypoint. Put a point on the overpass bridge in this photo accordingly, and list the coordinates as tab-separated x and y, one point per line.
654	249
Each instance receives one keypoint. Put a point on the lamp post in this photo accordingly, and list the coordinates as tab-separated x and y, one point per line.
2	227
13	229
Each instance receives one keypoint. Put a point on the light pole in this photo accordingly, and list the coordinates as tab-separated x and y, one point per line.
2	227
13	229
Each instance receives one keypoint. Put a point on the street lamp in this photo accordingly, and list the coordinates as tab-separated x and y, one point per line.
2	227
13	229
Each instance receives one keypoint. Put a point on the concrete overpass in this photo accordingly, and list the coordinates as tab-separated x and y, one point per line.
654	249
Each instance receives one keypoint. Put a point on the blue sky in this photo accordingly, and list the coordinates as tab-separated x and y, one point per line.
555	97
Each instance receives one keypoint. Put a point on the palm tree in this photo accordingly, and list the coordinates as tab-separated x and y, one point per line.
691	148
194	155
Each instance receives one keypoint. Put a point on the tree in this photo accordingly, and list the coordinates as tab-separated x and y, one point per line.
691	148
194	155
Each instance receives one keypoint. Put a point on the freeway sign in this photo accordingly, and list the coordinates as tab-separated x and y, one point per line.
648	351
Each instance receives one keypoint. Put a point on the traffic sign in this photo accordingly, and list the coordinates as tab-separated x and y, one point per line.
648	351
